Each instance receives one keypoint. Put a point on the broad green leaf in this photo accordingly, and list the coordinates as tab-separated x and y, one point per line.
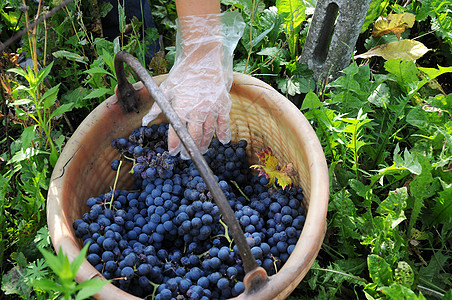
381	96
426	117
53	261
21	102
311	101
77	262
442	212
98	70
300	80
394	203
372	42
408	161
24	154
447	295
404	49
379	270
396	23
271	51
421	188
47	285
27	136
50	96
270	18
122	17
89	288
70	56
433	73
43	74
434	271
292	12
405	72
20	71
62	109
397	292
97	93
375	9
53	158
404	274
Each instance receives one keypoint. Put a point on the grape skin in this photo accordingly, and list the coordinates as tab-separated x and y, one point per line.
165	231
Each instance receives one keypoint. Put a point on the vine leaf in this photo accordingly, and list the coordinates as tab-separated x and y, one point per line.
272	169
396	23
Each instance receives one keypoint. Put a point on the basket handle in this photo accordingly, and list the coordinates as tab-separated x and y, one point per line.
256	276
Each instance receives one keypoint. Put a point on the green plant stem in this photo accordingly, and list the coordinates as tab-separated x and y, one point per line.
251	38
355	150
433	292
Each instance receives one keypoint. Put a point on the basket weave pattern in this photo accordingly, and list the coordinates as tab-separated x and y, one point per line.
259	114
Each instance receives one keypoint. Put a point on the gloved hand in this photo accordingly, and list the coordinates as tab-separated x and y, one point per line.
199	82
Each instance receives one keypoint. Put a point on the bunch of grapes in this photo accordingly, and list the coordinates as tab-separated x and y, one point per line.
165	236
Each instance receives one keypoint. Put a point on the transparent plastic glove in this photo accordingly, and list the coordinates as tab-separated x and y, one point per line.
198	84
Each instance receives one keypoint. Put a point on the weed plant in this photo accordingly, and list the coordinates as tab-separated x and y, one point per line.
385	127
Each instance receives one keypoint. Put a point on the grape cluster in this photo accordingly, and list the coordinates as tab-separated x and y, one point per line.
165	236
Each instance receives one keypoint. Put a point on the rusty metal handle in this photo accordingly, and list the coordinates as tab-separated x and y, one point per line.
255	275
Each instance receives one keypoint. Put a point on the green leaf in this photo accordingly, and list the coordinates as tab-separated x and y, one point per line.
62	109
43	74
375	9
70	56
89	288
47	285
54	262
405	72
28	134
50	96
53	158
292	12
270	18
379	270
300	80
25	154
21	102
404	274
421	188
381	96
97	93
311	101
397	292
408	162
122	18
394	203
20	71
447	295
78	261
442	212
98	70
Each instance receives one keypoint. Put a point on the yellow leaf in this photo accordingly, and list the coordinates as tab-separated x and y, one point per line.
396	23
270	167
404	49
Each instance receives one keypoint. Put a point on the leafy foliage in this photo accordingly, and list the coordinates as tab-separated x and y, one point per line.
385	127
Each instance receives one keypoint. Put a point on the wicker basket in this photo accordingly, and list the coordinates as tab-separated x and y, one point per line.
259	114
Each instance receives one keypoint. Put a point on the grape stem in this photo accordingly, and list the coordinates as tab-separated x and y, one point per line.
240	190
114	184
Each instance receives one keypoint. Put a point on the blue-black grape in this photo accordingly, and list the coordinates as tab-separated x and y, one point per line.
165	230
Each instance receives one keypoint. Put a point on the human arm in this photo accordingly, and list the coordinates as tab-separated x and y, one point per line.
199	81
